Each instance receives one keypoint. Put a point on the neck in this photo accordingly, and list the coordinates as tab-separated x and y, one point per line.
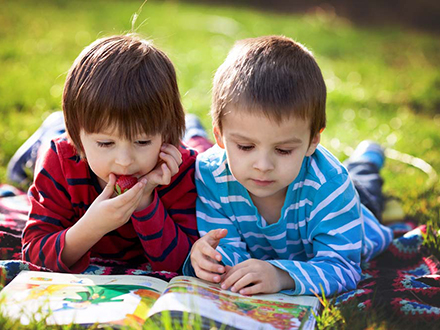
270	207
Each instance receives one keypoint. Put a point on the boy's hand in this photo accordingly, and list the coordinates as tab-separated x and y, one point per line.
106	213
205	259
109	213
167	166
256	276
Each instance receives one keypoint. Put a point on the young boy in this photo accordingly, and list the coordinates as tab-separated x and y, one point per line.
123	117
276	210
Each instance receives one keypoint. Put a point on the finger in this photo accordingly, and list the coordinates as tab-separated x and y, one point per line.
173	151
131	196
170	161
202	250
214	236
227	269
243	281
253	289
218	234
207	276
210	265
232	276
138	197
209	250
166	174
109	187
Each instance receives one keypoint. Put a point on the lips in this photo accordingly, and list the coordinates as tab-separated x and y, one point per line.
262	183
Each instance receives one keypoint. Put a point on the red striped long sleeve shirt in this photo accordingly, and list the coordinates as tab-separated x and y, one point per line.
162	234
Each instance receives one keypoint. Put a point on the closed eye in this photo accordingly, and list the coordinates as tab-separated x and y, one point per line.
245	148
104	144
283	151
143	142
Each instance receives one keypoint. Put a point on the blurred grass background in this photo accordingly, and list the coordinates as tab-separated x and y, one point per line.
383	81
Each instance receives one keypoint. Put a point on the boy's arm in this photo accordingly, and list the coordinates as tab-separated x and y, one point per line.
212	214
335	230
167	227
50	216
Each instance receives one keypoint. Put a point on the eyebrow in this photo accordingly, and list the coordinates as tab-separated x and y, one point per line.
292	140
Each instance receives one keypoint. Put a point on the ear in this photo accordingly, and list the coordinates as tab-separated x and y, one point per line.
218	137
314	144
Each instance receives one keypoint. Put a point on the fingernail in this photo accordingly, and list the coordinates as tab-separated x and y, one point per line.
223	286
216	278
220	270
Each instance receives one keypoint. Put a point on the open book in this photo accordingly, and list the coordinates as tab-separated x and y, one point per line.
129	300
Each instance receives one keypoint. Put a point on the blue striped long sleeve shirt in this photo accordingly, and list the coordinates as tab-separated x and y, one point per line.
321	237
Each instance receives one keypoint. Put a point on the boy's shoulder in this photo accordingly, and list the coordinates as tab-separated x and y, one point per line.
188	154
63	147
323	166
212	159
211	165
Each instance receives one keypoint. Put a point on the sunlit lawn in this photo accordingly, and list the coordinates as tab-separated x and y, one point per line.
383	82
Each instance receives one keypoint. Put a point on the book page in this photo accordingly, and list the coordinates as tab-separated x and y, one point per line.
274	311
83	299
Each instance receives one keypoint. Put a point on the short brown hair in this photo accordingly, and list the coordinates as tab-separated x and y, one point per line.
126	83
274	75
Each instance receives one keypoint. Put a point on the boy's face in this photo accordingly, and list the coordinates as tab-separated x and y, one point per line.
106	152
265	157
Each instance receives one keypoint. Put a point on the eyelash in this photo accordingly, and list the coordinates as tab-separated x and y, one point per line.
141	143
104	144
284	152
245	148
280	151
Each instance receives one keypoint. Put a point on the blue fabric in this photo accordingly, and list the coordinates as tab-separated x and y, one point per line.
321	235
368	183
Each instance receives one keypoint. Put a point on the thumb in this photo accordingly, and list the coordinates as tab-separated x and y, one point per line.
109	188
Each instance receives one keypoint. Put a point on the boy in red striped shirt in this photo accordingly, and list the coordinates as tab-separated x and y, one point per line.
123	116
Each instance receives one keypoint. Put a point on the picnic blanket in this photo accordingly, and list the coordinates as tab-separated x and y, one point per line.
403	282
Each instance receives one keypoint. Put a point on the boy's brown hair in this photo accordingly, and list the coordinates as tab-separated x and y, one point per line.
125	83
273	75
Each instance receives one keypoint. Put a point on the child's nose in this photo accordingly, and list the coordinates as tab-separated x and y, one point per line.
124	158
264	163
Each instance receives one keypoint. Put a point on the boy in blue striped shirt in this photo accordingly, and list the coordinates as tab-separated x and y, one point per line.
276	210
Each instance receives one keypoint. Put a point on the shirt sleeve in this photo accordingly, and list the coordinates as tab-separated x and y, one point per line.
167	227
335	230
50	216
211	214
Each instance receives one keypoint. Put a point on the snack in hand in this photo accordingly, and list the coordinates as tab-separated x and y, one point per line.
124	182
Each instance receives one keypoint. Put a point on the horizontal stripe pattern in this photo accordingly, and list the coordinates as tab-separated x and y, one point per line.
161	234
319	238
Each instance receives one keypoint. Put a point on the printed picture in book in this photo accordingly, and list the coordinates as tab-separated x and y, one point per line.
279	314
81	300
130	300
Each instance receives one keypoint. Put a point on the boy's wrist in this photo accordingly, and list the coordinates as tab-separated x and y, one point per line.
88	226
146	200
286	281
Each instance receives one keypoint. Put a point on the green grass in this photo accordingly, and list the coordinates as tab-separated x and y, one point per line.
383	82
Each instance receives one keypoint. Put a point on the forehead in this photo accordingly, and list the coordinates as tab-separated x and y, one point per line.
114	132
258	127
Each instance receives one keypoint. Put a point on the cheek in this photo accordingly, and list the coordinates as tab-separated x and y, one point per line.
236	162
97	166
149	160
292	166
